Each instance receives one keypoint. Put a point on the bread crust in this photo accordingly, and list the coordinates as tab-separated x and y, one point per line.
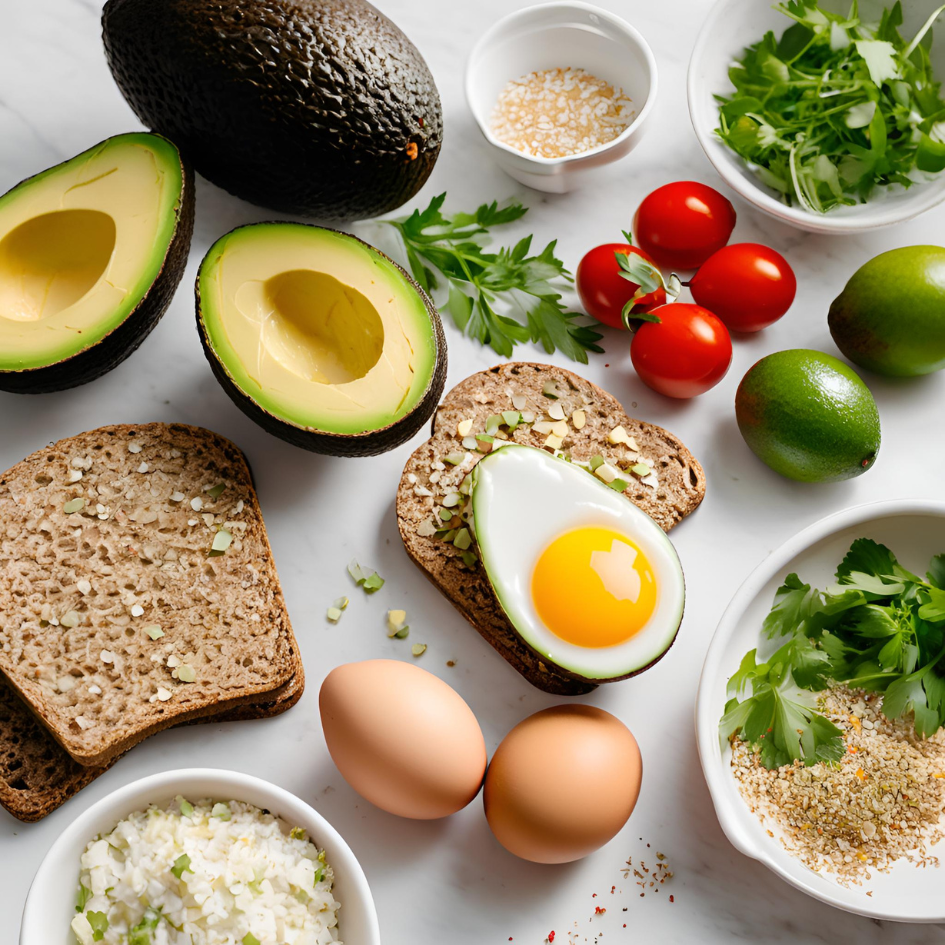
37	775
680	490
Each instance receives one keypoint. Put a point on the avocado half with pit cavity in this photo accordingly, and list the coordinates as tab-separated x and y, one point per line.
320	338
91	252
316	107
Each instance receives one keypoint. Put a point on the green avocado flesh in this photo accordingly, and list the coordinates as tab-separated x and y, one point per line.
316	328
890	318
81	245
808	416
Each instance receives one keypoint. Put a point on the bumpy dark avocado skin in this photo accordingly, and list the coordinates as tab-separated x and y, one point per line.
119	344
370	443
315	107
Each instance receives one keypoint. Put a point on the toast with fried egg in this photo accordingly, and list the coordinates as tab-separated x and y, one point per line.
594	424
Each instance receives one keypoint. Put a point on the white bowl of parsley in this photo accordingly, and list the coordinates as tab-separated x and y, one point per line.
872	561
830	122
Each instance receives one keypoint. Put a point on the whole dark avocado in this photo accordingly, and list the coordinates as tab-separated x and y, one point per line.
890	318
316	107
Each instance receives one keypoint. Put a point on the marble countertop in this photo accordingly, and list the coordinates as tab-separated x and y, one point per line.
449	881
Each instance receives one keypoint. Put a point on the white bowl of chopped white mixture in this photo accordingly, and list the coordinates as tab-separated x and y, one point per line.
560	89
200	857
733	25
910	891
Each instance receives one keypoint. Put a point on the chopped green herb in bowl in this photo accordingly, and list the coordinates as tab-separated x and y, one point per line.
837	108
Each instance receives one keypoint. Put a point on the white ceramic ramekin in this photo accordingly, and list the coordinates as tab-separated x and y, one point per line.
567	34
50	905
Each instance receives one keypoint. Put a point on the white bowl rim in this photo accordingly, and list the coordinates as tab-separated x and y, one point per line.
731	817
869	215
170	781
526	13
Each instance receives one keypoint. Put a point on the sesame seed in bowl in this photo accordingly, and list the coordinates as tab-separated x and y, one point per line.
558	112
560	89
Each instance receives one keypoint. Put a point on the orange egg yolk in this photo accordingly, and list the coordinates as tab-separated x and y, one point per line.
594	587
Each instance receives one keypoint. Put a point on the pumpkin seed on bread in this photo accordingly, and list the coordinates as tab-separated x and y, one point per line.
664	480
137	586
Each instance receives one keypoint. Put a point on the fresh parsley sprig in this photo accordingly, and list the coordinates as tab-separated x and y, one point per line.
453	248
836	108
879	627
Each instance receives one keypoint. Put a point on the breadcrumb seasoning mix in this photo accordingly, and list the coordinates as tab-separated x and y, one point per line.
557	112
883	802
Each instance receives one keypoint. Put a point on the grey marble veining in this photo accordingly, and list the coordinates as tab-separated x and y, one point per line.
450	882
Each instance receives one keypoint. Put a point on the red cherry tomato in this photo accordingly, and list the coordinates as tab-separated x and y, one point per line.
683	355
681	225
747	285
602	289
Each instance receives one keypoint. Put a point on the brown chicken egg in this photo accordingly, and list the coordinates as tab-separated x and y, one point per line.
402	738
562	783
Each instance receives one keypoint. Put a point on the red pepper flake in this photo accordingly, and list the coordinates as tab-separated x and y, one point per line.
598	910
593	895
671	899
551	936
612	888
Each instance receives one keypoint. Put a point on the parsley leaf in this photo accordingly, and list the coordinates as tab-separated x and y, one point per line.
837	108
880	628
99	923
776	721
82	897
141	933
452	248
181	866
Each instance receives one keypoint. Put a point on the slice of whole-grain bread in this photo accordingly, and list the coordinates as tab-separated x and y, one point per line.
37	775
117	586
671	487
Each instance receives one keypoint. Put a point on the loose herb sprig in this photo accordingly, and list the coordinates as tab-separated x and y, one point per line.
479	281
836	107
880	628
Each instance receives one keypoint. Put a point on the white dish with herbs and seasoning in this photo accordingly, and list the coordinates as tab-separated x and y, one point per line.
199	857
820	711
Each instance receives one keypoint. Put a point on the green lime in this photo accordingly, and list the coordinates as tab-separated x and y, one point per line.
808	416
890	318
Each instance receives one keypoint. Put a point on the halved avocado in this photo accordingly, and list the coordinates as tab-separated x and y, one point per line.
320	338
91	252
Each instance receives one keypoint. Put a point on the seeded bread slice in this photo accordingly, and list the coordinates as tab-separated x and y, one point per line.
671	487
37	775
112	532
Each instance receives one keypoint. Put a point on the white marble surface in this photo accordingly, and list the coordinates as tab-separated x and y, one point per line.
449	882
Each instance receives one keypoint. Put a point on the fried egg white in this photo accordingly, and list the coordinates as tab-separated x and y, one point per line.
587	579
